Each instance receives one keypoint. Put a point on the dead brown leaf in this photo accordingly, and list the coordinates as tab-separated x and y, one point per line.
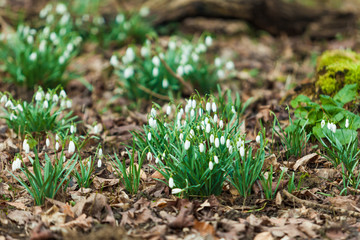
20	217
185	217
264	236
304	160
204	228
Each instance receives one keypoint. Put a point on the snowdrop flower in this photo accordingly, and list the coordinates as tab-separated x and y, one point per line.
208	128
213	107
233	109
228	143
346	123
216	159
33	56
201	147
149	156
187	145
3	99
57	137
322	123
149	136
217	62
45	104
193	103
68	103
144	12
26	146
211	165
47	142
171	182
55	98
221	124
144	51
329	125
120	18
333	128
57	146
208	41
172	45
61	8
42	46
30	39
152	123
220	73
212	138
129	55
99	163
53	37
114	61
242	151
180	70
258	139
157	160
155	72
96	129
9	104
12	117
230	65
20	108
62	94
165	83
215	118
61	60
181	137
192	133
16	165
201	112
188	68
222	140
156	61
168	110
176	191
230	149
153	112
195	57
100	153
71	148
70	47
192	113
217	142
128	72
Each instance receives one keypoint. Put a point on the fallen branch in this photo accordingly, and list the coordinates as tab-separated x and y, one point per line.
152	93
323	206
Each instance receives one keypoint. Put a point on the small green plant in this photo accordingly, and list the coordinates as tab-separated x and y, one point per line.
267	183
194	148
46	112
44	180
151	72
40	57
346	155
130	176
293	138
291	184
331	109
85	176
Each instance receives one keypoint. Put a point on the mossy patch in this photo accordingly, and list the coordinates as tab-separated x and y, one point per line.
335	68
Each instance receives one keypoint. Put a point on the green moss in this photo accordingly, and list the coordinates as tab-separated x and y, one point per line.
336	68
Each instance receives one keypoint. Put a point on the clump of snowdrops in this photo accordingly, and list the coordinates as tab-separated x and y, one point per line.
155	72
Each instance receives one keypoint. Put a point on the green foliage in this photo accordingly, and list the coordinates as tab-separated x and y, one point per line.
293	138
130	176
85	176
194	148
267	183
331	109
291	184
40	57
152	71
46	112
45	181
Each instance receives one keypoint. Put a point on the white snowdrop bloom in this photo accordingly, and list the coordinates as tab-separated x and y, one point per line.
9	104
206	120
46	31
220	73
172	45
61	8
181	112
212	138
114	61
96	129
33	56
322	123
176	191
180	70
77	40
128	72
187	108
55	98
156	61
20	108
171	182
71	148
50	18
30	39
120	18
187	144
211	165
168	110
233	109
208	107
144	51
68	103
53	36
57	137
201	112
230	65
16	165
329	125
228	143
157	160
12	117
222	140
188	69
70	47
64	19
165	83
208	128
47	142
195	57
217	62
217	142
192	133
57	146
221	124
100	152
64	158
42	46
166	137
213	107
155	72
149	156
152	123
62	94
26	146
153	112
3	99
45	104
230	149
333	128
149	136
61	60
193	103
242	151
192	113
72	129
258	139
144	11
215	118
208	41
201	147
130	55
99	163
346	123
181	137
216	159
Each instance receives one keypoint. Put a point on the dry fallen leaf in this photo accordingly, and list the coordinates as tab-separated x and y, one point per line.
204	228
304	160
